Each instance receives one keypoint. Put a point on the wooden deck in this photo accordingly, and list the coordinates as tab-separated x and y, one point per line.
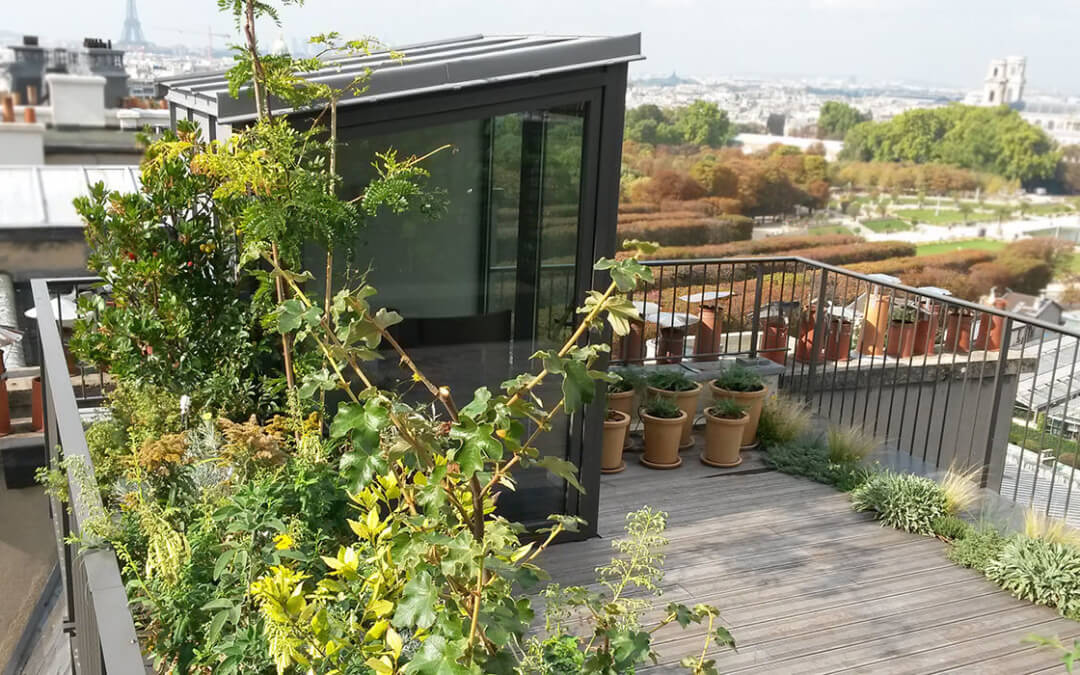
808	586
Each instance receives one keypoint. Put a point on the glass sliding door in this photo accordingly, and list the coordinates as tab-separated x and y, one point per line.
492	279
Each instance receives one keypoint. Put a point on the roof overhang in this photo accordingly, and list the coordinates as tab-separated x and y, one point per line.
426	68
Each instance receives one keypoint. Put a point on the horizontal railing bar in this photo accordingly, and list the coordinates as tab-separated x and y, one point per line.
119	644
948	299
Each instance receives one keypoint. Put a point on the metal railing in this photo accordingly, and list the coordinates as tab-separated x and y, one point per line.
96	612
941	381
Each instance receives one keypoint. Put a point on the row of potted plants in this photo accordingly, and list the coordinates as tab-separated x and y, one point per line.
910	330
669	402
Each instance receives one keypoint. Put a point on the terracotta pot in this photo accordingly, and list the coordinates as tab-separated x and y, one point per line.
630	348
662	441
957	333
838	342
709	330
901	340
37	405
751	400
875	325
611	460
995	328
671	346
804	346
723	439
687	402
774	341
623	401
926	329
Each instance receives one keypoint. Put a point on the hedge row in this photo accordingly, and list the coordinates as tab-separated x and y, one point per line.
847	254
656	215
953	260
769	245
688	231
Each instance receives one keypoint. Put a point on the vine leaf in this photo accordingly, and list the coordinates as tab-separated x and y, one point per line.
417	605
439	657
578	387
561	468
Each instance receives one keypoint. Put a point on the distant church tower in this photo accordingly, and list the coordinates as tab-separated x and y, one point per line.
1005	80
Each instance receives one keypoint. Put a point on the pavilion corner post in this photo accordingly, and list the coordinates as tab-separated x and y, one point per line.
815	342
760	277
999	384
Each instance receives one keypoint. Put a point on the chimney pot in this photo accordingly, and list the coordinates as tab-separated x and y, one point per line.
31	94
8	111
29	115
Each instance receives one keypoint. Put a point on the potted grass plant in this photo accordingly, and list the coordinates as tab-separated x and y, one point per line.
681	390
611	455
725	420
744	386
663	428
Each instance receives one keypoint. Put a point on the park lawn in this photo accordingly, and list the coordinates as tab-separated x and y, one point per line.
944	217
887	225
969	244
1048	209
828	229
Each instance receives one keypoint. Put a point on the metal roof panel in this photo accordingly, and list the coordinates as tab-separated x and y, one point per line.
427	67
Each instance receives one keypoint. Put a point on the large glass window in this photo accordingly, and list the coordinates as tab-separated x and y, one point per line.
492	280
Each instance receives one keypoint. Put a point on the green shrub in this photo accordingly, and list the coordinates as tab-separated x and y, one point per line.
783	421
977	548
812	461
738	377
1044	572
562	655
727	408
620	385
904	501
951	527
671	380
662	407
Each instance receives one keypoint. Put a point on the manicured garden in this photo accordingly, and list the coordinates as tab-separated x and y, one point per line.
944	217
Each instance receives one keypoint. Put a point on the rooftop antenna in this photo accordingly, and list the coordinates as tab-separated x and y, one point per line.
132	32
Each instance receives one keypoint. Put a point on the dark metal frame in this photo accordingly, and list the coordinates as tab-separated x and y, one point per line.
603	92
97	615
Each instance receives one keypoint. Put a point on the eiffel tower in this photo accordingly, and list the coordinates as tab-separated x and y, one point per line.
132	32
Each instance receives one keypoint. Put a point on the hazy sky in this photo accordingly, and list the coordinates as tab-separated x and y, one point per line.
933	41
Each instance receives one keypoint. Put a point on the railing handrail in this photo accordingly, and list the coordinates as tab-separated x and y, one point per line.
120	648
952	300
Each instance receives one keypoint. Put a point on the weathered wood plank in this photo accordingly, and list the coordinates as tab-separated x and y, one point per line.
807	585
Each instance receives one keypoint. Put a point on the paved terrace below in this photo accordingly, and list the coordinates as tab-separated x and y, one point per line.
806	585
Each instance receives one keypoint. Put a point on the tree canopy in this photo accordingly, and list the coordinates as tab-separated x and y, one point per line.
836	118
700	123
995	140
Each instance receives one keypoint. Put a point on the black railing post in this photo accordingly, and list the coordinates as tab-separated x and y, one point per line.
819	327
757	311
999	375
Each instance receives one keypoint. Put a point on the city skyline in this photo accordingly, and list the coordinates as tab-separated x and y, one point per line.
945	44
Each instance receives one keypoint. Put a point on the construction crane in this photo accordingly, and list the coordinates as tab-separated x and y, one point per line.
210	35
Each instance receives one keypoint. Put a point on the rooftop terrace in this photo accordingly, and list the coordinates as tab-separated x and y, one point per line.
806	585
